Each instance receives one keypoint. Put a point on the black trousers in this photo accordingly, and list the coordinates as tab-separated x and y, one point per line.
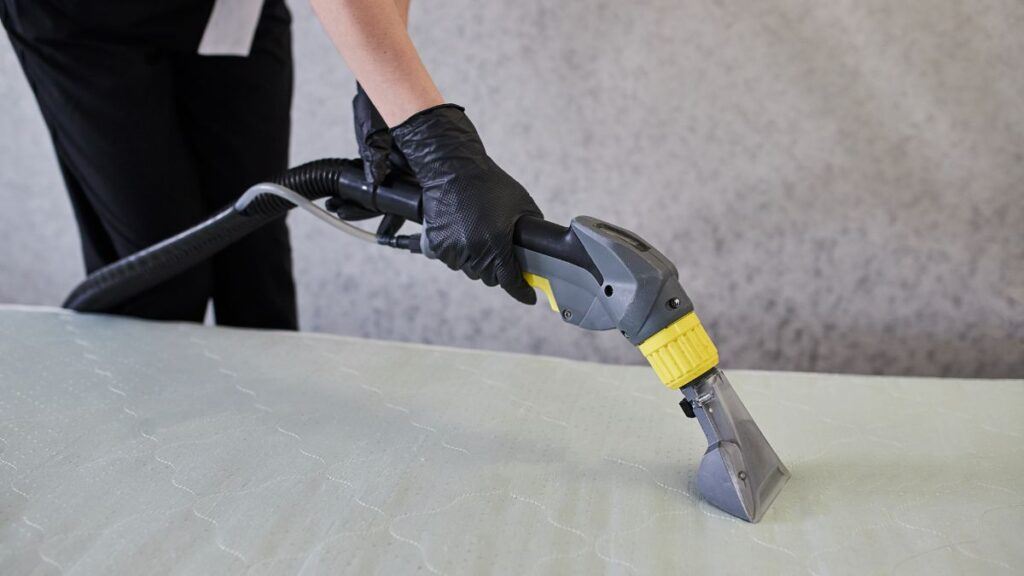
152	138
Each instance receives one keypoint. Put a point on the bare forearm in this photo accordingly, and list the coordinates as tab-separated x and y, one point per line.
372	38
403	9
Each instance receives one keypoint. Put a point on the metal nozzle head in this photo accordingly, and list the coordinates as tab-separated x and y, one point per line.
740	472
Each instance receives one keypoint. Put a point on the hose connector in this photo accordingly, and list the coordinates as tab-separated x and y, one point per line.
680	352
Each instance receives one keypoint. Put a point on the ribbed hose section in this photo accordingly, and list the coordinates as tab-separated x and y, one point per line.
109	287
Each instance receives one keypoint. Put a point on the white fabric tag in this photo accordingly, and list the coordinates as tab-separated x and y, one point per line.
231	28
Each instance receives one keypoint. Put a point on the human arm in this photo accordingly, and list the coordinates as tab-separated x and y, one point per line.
470	205
371	36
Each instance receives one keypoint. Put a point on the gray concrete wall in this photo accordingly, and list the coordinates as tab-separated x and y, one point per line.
841	184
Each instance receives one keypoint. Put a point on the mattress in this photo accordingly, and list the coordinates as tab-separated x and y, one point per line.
143	447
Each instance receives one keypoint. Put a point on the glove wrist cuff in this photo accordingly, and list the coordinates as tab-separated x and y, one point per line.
416	118
367	119
439	135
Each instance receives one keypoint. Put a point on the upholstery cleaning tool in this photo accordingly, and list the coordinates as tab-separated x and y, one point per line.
595	275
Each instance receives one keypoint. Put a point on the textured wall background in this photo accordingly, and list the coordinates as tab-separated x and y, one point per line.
841	184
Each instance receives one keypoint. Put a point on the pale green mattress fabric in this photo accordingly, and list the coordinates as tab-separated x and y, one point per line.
138	447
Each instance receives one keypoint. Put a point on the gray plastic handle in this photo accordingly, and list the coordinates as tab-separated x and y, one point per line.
619	281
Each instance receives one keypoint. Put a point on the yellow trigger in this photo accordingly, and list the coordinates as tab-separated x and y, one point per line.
542	284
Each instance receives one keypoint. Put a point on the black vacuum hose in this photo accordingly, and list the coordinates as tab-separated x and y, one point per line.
110	286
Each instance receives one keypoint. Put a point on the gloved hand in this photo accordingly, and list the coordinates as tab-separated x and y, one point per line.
380	157
470	205
372	136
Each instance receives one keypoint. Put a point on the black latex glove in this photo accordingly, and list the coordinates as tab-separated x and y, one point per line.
372	136
380	157
470	205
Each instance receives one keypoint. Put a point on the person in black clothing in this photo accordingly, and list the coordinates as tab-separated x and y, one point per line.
163	112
